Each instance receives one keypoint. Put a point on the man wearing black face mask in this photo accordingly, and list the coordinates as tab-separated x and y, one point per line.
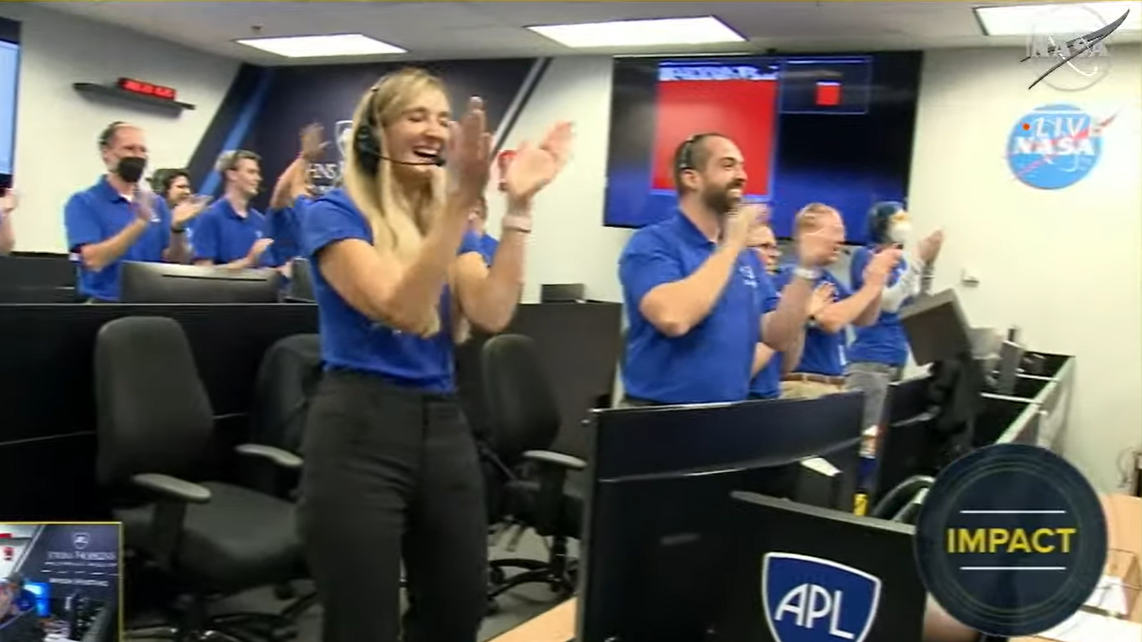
120	219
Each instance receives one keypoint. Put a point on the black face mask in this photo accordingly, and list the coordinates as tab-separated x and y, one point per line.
131	168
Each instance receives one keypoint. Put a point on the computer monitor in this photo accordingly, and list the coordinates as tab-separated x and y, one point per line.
857	573
173	283
904	443
37	279
562	293
1007	370
659	508
43	593
939	334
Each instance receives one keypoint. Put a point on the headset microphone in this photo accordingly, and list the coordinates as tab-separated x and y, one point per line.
438	161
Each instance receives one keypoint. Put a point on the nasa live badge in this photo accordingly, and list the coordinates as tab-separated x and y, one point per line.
1011	540
808	599
1055	146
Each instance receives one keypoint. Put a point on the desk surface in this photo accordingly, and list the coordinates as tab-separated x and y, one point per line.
556	625
1124	521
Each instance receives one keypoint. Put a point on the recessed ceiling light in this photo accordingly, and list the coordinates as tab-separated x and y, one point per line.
1057	19
635	33
344	44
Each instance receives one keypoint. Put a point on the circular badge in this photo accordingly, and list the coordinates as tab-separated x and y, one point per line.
1059	51
1054	146
1011	540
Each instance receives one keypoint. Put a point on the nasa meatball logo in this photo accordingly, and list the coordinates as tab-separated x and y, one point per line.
342	131
809	599
1055	146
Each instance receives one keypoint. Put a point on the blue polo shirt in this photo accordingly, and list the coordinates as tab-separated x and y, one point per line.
221	236
488	247
99	213
883	342
766	384
352	341
282	226
712	362
824	353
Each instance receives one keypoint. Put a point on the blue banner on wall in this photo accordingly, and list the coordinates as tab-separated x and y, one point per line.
296	96
1055	146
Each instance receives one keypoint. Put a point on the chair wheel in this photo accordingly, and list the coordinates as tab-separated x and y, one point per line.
285	592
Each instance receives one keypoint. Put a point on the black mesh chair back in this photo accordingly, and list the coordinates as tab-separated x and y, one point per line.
522	410
153	412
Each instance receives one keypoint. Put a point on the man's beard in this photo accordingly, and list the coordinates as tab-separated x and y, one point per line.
719	199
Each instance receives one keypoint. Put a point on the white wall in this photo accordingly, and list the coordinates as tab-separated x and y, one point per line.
1064	265
57	127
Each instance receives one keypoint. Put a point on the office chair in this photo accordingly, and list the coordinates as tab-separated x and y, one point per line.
155	429
524	422
902	503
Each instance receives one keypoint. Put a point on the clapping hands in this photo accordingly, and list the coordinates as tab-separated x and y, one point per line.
535	166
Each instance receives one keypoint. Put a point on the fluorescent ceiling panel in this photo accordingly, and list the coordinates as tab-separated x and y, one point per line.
641	33
1057	19
345	44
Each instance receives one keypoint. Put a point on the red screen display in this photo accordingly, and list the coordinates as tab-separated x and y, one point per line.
828	94
744	110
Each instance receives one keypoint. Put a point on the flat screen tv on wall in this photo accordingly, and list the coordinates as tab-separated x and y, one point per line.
9	83
835	129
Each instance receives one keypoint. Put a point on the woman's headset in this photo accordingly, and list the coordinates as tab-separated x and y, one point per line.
367	143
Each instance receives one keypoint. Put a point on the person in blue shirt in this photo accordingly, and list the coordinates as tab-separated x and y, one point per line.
118	219
172	185
697	299
230	233
292	192
478	222
879	352
15	598
820	370
391	466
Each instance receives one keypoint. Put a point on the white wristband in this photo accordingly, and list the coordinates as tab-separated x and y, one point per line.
516	222
806	273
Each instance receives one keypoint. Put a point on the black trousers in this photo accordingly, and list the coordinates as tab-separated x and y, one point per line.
392	471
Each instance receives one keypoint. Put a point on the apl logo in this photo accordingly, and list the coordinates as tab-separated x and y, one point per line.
808	599
80	540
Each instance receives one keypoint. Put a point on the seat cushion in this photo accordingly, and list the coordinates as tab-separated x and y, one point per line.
240	539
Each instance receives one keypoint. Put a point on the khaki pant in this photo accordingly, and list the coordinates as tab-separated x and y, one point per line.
808	389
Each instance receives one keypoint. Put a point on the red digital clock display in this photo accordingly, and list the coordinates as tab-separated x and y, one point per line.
146	89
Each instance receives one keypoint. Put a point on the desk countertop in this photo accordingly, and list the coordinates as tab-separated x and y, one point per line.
556	625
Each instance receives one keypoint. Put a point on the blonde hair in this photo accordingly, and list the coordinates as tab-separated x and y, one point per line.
809	217
398	219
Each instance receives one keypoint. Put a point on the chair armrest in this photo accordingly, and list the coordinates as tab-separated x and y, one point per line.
556	459
280	457
172	488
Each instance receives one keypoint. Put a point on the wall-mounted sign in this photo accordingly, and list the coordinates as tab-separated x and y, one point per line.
1055	146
